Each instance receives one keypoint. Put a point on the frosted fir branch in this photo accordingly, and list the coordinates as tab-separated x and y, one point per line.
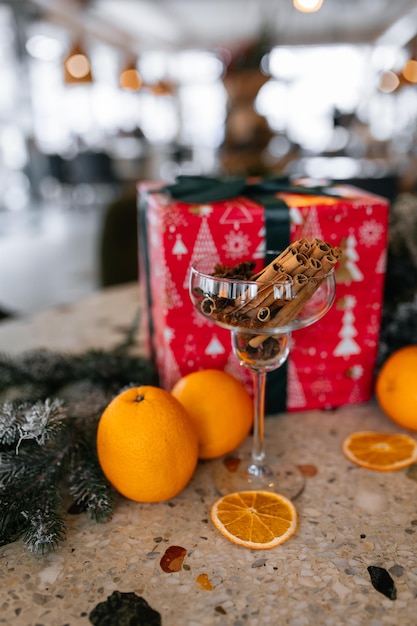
46	450
34	465
44	528
30	486
10	471
42	373
37	421
403	222
41	420
87	484
9	424
96	498
399	329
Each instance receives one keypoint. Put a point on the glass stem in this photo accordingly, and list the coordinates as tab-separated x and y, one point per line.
258	449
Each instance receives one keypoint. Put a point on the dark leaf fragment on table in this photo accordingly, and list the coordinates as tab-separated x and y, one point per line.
124	609
382	581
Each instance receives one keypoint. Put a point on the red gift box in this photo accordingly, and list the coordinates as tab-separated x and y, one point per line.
331	362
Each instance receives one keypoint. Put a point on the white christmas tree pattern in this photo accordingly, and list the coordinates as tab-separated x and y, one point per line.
381	264
214	347
172	299
236	213
168	366
295	392
295	216
347	346
311	226
190	355
356	395
348	270
204	245
179	248
260	249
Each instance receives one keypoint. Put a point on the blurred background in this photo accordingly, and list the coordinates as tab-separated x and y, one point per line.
97	95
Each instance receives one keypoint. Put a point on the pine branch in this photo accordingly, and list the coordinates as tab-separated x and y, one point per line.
32	465
43	373
39	421
34	367
33	472
48	422
36	463
44	525
32	509
86	481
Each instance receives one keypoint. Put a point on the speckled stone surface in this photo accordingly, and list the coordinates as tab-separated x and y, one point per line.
349	518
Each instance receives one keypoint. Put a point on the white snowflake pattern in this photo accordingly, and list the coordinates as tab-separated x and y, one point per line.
174	220
206	209
355	372
199	320
370	233
237	243
321	386
350	302
169	334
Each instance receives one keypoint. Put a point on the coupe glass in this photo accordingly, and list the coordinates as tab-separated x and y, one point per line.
242	307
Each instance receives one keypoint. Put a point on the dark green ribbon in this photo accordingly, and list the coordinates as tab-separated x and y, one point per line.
199	189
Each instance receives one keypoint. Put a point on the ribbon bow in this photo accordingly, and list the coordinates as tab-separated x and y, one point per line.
199	189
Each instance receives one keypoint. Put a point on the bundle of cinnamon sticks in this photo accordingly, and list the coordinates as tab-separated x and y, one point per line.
283	288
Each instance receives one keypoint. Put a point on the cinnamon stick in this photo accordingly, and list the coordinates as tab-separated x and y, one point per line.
284	287
289	311
279	292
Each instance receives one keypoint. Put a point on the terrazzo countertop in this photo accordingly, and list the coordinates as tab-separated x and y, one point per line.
349	519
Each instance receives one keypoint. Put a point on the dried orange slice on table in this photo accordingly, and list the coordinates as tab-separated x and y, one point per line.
258	520
383	452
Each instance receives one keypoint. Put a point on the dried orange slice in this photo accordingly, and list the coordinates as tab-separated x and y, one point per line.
258	520
383	452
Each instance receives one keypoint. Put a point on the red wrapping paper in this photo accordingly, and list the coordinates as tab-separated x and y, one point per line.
331	362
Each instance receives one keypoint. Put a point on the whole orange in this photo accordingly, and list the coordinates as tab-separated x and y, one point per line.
396	387
219	406
147	445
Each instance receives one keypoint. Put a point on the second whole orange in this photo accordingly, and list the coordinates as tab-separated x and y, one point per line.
147	445
220	407
396	387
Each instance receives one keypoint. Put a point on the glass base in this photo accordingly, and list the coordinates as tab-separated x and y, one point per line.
233	473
